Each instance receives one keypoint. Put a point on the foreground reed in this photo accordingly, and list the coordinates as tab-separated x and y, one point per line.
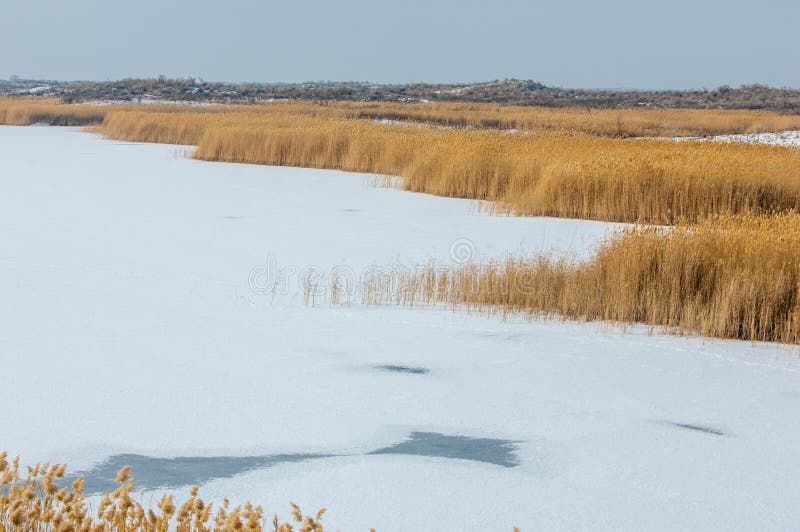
36	502
728	277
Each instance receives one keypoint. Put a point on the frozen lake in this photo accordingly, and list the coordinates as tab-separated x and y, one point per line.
152	314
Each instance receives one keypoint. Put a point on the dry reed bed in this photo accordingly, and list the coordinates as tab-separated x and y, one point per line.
599	122
729	277
610	123
602	122
28	111
565	175
35	501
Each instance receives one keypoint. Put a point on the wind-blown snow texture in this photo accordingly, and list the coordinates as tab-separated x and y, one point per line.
783	138
128	326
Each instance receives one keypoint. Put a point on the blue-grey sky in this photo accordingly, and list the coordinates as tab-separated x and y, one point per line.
571	43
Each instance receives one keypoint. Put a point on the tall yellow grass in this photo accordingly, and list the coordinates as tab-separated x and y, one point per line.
556	168
559	174
567	175
599	122
611	123
28	111
604	122
728	277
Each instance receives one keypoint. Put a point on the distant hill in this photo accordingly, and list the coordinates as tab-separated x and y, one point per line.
510	91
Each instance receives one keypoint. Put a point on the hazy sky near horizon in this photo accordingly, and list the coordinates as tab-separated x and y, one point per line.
571	43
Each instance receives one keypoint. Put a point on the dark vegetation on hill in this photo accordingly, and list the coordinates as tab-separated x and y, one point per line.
511	91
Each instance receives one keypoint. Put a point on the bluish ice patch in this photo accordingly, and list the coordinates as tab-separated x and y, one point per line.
488	450
165	473
150	473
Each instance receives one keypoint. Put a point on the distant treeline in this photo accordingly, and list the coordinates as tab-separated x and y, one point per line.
511	91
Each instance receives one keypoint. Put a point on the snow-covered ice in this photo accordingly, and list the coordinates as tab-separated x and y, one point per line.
782	138
128	325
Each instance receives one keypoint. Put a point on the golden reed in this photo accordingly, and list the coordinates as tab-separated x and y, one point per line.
20	111
732	275
729	277
571	175
35	501
556	168
602	122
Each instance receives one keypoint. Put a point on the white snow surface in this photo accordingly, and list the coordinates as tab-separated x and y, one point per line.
128	325
782	138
